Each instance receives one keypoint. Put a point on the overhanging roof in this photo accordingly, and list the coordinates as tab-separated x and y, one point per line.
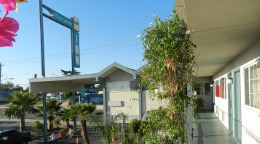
114	67
221	30
74	83
70	83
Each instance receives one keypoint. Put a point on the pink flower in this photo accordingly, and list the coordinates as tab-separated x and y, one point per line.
8	5
8	29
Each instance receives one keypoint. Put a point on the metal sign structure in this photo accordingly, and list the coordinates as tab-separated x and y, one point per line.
0	72
76	49
73	24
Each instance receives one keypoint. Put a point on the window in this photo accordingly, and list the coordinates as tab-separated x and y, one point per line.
201	88
133	85
220	88
252	86
198	87
207	88
217	88
122	85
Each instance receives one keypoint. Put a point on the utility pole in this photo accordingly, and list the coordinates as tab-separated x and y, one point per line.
1	72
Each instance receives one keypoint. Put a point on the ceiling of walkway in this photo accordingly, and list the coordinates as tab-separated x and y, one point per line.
221	30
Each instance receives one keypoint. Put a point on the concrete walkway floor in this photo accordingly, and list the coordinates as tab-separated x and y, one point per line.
208	129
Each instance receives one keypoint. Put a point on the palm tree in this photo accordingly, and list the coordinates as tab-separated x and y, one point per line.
52	110
65	116
83	111
21	103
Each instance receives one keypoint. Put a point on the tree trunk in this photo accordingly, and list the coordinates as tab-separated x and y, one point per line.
67	123
22	124
84	131
50	125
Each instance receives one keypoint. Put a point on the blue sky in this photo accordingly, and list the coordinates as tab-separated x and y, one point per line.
108	33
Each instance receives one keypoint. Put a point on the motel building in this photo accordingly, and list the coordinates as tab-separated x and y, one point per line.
227	35
121	92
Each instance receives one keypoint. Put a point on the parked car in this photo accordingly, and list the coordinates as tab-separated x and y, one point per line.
14	137
60	97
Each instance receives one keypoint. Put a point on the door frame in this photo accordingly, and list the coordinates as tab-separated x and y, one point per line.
237	122
230	104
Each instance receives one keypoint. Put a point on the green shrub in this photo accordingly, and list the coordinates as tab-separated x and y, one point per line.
135	125
37	125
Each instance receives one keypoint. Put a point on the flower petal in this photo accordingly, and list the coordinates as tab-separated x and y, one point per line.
8	29
5	42
8	5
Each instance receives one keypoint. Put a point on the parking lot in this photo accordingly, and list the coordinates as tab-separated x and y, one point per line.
76	139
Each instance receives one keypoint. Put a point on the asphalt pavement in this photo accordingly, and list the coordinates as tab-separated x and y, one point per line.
76	139
6	123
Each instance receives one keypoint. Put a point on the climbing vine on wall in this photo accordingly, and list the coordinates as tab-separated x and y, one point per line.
170	67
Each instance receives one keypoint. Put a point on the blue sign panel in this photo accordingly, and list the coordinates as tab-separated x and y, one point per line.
59	18
76	23
76	49
73	24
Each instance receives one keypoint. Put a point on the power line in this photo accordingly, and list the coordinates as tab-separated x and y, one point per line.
50	57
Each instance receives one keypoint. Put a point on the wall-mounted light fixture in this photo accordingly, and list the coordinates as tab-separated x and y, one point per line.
230	80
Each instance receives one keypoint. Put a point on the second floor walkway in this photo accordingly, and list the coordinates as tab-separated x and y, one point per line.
208	129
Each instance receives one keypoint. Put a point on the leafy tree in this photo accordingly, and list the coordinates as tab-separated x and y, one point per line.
67	94
52	110
18	88
83	111
20	104
99	88
27	89
171	66
8	86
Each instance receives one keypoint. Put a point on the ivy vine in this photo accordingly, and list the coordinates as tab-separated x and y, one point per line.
171	67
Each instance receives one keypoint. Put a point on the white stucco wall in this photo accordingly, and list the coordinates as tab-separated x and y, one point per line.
129	103
222	110
249	54
151	103
119	90
119	75
250	117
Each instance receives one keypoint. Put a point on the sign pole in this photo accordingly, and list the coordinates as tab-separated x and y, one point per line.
72	49
73	71
0	72
73	24
43	73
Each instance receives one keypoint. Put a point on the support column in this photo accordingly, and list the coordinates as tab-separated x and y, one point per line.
190	115
104	100
73	101
140	101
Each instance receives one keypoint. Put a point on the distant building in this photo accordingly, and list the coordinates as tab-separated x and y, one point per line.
4	95
121	92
